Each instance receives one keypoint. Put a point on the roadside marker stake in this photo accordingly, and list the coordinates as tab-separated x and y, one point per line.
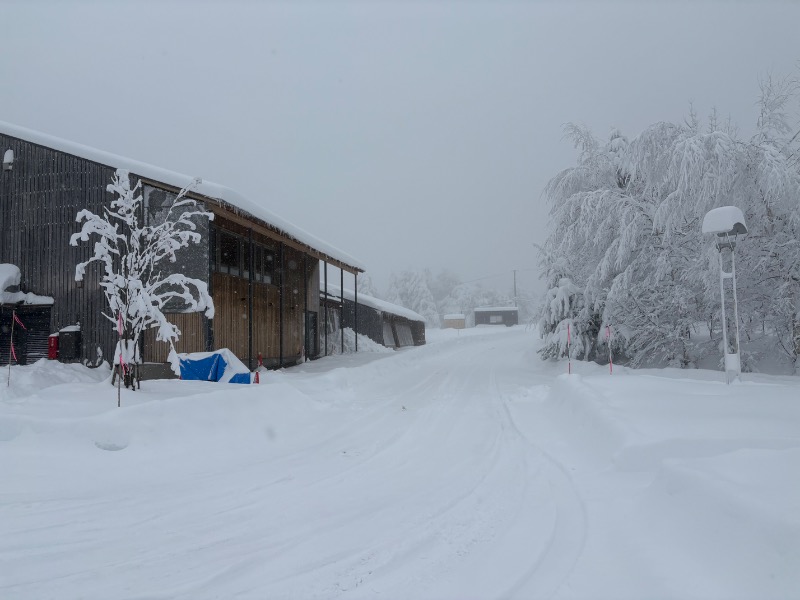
569	354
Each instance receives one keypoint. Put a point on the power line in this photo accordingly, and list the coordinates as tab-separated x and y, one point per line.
492	276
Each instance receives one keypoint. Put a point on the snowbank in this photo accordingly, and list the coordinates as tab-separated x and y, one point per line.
365	344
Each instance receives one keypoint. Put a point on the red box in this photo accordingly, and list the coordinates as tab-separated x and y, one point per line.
52	346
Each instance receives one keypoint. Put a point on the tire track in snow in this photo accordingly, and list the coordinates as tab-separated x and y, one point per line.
553	565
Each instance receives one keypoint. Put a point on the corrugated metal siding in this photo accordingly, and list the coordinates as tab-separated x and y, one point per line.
403	332
39	200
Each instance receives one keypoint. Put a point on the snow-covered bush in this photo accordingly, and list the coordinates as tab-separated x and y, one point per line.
135	279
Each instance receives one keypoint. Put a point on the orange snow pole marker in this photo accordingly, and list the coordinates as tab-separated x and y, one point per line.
569	354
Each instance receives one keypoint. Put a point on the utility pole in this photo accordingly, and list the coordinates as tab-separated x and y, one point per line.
515	287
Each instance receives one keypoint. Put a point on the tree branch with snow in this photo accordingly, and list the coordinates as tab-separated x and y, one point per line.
133	258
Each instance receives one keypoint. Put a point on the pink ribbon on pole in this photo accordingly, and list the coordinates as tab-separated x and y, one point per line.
569	356
16	318
13	353
122	364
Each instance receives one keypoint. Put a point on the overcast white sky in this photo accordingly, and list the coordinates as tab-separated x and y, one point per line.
413	134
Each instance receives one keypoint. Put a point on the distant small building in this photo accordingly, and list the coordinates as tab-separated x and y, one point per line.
497	315
455	321
383	322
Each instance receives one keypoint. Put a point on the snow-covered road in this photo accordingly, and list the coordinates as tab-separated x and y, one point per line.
466	468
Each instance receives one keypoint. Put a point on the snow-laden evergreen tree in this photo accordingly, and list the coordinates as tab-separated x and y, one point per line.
410	289
625	246
367	286
441	285
135	279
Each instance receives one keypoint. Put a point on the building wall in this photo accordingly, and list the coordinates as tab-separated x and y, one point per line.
39	200
259	304
454	323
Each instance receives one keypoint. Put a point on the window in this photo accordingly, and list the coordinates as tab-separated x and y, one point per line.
258	262
229	251
495	319
233	257
269	266
244	250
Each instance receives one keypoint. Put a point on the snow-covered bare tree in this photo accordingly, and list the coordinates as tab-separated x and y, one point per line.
135	279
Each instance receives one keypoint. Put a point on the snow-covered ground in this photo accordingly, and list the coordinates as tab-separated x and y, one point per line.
466	468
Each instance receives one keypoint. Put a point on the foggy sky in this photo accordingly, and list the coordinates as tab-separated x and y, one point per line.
406	134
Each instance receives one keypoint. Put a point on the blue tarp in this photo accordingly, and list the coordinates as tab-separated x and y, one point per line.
213	366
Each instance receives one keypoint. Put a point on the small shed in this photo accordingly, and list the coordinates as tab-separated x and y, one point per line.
383	322
455	321
497	315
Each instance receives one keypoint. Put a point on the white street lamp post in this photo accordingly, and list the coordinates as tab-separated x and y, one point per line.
727	222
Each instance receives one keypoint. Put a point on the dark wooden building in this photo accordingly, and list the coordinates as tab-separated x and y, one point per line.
497	315
383	322
263	273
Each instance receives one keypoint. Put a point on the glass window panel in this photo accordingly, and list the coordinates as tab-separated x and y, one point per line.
229	250
245	250
258	270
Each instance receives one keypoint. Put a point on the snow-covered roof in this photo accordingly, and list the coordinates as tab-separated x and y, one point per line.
454	317
205	188
497	309
10	277
334	292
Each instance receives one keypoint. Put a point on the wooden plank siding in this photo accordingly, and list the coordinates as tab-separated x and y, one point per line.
192	339
272	313
266	323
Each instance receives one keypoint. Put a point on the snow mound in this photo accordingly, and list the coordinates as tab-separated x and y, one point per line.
27	380
365	344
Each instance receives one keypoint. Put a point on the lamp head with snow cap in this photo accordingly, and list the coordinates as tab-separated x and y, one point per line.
8	160
724	221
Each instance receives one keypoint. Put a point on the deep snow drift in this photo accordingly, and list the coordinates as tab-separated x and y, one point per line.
467	468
